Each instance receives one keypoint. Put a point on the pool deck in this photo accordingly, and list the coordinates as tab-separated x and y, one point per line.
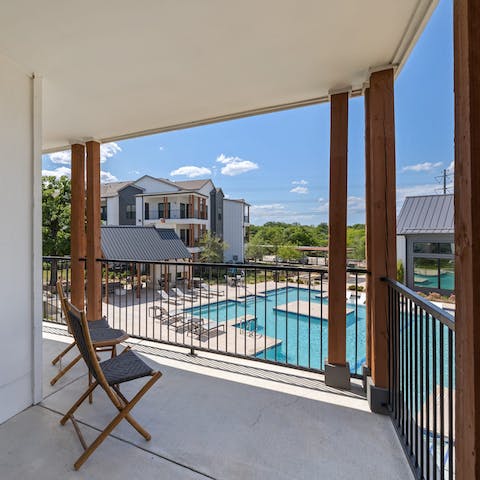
313	310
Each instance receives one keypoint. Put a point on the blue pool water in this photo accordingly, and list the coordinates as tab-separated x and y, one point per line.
304	339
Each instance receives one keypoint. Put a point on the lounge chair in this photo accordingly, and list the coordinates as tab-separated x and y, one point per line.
104	338
207	327
164	316
109	374
212	290
182	295
167	298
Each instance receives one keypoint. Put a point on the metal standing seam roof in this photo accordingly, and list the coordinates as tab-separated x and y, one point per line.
147	244
426	214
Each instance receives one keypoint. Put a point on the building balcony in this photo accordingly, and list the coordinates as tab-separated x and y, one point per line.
209	418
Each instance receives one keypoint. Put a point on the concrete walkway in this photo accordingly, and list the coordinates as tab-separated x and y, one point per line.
208	419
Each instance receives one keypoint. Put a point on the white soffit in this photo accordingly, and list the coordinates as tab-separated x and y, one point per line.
116	69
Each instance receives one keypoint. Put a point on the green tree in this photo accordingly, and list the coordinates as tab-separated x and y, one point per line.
254	251
289	252
212	249
56	198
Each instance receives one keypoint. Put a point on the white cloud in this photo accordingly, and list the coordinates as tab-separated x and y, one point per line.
299	182
161	148
355	204
107	150
300	190
235	165
268	210
422	167
61	158
191	171
106	177
66	171
451	167
58	172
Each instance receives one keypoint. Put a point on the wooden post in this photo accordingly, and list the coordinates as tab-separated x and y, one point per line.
94	250
368	241
77	226
467	238
382	227
337	371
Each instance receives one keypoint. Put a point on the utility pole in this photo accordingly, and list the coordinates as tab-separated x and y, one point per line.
444	181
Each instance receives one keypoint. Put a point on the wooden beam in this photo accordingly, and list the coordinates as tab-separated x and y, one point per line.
382	220
94	250
77	226
337	230
467	237
368	216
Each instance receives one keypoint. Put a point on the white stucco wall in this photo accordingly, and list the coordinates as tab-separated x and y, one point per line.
112	211
20	247
152	185
402	250
233	233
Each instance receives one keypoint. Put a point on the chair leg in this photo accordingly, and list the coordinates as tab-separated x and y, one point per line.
90	397
62	372
72	410
61	355
123	413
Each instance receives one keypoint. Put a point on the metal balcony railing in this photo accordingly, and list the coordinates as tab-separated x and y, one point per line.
422	381
274	314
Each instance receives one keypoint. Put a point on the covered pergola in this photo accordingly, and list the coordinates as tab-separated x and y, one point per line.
76	76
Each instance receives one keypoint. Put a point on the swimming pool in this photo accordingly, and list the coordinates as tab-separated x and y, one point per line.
304	338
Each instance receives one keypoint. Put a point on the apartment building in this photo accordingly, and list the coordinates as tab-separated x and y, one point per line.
190	208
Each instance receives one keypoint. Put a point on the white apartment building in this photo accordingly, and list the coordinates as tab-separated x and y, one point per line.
190	207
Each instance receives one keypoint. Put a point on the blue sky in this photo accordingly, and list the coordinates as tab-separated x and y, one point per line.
279	162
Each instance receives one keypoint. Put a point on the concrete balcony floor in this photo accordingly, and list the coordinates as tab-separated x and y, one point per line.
209	418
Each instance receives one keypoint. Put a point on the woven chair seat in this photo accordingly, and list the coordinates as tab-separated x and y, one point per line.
102	323
105	334
127	366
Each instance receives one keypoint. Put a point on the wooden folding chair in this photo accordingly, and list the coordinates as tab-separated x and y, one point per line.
109	374
104	338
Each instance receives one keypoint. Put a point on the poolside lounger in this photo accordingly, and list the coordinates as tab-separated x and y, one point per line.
189	297
212	290
167	298
108	374
207	327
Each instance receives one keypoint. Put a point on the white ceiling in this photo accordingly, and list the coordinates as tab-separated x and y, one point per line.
119	68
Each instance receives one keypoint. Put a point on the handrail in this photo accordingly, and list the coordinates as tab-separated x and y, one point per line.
239	266
441	315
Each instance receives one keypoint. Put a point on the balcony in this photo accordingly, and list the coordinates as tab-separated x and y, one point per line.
209	418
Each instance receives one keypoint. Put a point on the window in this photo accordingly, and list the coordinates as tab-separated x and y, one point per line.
184	210
103	213
431	247
130	212
147	211
162	213
185	236
425	272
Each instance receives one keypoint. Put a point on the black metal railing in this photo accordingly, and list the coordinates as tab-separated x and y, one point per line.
422	381
53	270
269	313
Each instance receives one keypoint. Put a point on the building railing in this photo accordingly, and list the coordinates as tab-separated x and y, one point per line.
422	381
268	313
177	214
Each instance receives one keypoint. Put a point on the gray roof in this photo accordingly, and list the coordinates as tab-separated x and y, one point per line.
426	214
147	244
191	184
111	189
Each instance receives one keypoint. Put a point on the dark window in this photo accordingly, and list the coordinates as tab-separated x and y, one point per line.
185	236
161	210
184	210
130	212
220	215
147	211
103	213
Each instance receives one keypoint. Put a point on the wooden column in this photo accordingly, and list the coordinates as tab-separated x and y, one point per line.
77	226
94	251
467	237
337	238
368	241
382	218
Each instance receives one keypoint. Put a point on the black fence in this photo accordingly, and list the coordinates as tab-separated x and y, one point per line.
422	381
276	314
